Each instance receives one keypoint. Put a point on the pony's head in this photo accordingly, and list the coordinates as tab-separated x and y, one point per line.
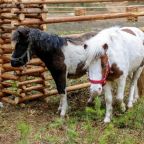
98	49
96	55
22	47
98	73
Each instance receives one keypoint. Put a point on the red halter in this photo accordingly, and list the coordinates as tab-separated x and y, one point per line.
106	72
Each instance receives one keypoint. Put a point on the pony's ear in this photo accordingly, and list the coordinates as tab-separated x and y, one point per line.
105	46
23	32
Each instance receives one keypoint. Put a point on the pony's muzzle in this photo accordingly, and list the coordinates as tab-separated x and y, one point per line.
96	89
16	63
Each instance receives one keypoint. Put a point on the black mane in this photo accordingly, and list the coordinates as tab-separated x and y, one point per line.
41	39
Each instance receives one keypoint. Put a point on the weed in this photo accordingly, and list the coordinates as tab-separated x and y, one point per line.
133	118
90	132
58	123
24	130
71	132
97	112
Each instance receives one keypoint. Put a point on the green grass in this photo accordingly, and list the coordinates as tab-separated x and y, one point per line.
83	125
87	127
24	130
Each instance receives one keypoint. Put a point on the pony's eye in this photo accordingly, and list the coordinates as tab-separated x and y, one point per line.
105	46
85	46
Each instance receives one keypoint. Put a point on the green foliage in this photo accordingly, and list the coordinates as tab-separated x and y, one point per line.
51	139
96	112
133	118
108	135
90	132
46	138
24	130
71	131
86	127
58	123
112	135
71	135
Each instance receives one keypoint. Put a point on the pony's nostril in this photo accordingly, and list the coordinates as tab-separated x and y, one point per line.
100	89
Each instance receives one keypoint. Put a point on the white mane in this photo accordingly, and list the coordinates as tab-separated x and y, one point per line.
95	44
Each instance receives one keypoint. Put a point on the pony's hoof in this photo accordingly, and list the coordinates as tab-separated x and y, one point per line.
90	100
1	105
59	109
107	120
90	104
123	107
130	105
62	117
135	100
62	114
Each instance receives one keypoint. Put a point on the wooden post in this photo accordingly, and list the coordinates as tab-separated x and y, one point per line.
141	84
134	10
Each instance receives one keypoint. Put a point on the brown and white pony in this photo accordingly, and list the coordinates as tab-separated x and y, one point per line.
122	54
63	56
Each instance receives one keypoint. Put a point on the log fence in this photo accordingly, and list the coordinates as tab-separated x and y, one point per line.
16	84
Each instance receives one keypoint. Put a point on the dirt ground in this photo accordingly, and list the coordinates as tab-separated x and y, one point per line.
38	115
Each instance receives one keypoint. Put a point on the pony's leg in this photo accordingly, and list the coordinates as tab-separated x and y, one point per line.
131	92
64	104
1	105
60	105
136	94
108	100
60	80
133	87
120	92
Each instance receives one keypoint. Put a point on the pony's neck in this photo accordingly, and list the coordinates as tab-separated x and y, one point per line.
45	45
42	41
95	70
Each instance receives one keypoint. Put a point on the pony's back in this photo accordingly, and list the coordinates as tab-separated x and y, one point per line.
115	38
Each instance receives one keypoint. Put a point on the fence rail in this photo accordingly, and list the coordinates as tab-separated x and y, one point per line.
63	1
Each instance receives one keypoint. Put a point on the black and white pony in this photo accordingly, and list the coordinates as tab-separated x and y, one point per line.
123	55
63	56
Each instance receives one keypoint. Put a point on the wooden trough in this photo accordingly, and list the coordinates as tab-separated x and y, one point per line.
18	85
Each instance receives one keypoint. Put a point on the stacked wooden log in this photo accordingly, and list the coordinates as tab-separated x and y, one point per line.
15	84
5	39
